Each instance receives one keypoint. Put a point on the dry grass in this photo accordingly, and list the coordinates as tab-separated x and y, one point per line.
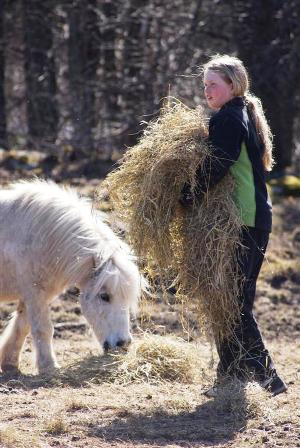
148	183
195	249
241	402
101	412
10	437
75	404
56	425
82	408
155	359
277	266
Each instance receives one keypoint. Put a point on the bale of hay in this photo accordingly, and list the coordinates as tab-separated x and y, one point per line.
194	247
208	270
159	358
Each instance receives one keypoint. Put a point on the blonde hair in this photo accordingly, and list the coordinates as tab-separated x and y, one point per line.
233	71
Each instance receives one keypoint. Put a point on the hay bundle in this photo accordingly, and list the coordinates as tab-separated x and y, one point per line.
157	358
194	247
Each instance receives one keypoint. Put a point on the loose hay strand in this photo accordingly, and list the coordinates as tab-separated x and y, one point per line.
194	248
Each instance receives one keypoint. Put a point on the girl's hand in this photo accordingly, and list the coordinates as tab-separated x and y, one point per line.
186	198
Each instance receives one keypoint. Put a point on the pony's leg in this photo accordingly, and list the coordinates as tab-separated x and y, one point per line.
42	333
12	340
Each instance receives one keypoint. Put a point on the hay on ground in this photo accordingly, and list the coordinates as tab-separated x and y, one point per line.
155	359
193	247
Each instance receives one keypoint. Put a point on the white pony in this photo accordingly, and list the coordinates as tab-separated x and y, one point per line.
51	239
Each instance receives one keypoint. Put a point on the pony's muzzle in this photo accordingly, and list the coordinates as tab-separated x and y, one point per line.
121	343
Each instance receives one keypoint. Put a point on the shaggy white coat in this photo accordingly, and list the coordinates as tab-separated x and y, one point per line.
51	239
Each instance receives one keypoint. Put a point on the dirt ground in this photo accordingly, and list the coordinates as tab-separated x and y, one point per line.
87	405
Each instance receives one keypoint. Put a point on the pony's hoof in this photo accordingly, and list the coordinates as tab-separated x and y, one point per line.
49	370
10	369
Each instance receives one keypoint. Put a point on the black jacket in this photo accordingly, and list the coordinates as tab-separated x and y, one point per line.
238	149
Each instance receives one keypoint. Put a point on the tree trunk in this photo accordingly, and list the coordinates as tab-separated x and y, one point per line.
269	45
110	79
134	89
108	38
42	113
3	135
84	43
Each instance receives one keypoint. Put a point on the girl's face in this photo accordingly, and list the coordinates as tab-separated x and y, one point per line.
217	91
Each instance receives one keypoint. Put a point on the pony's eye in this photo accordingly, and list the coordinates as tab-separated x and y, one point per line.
105	297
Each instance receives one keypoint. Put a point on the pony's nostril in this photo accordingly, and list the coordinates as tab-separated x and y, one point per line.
106	346
124	343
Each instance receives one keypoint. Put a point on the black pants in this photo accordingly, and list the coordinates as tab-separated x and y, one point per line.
245	352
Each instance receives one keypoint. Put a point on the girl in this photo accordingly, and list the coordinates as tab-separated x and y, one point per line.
242	144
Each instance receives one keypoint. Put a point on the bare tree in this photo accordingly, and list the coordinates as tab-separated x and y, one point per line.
110	78
42	113
3	136
84	44
116	59
268	40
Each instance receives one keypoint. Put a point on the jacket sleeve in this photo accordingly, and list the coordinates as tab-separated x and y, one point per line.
226	134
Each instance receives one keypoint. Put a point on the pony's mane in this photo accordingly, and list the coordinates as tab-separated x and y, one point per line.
66	223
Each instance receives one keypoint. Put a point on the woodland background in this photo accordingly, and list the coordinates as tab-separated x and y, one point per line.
78	81
77	77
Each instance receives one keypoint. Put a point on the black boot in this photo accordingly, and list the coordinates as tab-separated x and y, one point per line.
273	384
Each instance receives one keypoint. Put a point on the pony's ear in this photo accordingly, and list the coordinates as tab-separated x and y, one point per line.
107	272
93	270
94	273
98	266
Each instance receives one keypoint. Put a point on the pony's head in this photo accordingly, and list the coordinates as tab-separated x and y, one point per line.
109	295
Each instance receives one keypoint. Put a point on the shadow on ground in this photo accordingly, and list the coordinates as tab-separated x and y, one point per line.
213	422
93	369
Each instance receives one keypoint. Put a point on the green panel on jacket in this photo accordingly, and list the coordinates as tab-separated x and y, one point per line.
245	188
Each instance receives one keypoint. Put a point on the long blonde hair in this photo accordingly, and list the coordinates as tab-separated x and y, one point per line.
233	71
